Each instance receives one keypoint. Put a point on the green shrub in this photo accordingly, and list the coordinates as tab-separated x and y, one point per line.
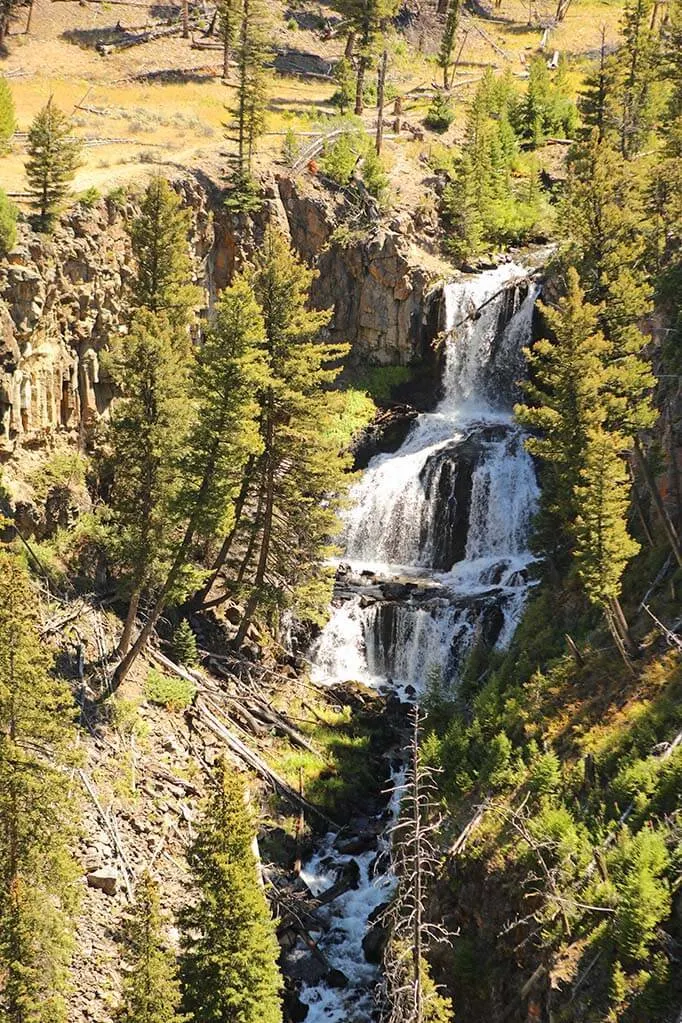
544	775
440	114
339	159
344	76
184	645
89	197
8	224
61	470
168	691
644	894
374	175
291	148
7	117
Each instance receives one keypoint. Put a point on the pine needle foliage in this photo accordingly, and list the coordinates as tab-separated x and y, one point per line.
248	115
53	158
603	544
8	224
185	645
37	874
151	988
300	466
230	952
143	442
8	121
159	238
566	393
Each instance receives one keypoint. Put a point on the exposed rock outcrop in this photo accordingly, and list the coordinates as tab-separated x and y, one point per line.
63	296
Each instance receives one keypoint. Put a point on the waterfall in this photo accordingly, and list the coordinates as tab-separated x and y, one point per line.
436	557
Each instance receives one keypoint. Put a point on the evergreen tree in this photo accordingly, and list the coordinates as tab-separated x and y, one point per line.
227	376
638	68
567	381
159	242
185	645
229	964
479	205
603	544
8	121
366	19
672	68
603	216
53	158
547	107
447	43
300	468
228	20
37	875
248	119
151	989
146	432
8	224
595	101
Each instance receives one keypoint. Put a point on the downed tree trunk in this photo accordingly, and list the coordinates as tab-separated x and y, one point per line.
257	764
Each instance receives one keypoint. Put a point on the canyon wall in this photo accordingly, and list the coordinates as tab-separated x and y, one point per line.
63	296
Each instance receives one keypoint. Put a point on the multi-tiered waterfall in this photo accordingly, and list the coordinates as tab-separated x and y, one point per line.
436	560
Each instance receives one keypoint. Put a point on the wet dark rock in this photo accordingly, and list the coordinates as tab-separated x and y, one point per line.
384	435
357	844
336	978
295	1011
376	939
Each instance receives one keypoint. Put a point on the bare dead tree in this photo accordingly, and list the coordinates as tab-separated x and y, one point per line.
402	996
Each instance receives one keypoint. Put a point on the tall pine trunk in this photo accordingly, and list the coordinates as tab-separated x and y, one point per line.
200	598
129	626
266	537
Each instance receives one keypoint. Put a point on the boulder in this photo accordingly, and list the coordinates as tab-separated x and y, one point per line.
105	879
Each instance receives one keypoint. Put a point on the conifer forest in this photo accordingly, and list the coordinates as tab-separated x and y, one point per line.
341	511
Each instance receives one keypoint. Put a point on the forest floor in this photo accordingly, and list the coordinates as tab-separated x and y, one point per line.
164	104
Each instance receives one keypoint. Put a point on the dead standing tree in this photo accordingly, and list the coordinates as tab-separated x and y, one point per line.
406	994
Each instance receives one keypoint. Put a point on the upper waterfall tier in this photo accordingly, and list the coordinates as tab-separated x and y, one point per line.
462	484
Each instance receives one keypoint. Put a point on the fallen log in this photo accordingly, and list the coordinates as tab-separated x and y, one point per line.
257	764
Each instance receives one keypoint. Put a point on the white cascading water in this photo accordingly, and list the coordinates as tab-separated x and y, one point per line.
446	518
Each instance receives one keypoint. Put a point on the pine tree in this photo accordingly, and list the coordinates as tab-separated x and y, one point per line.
479	204
596	97
228	373
185	645
300	468
145	435
163	264
566	392
8	224
547	106
53	158
603	216
248	120
366	19
37	875
230	952
151	988
603	544
8	121
228	20
638	66
447	42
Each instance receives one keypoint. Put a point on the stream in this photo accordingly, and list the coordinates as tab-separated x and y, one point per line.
436	560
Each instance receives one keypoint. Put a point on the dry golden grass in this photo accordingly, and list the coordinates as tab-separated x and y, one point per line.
180	123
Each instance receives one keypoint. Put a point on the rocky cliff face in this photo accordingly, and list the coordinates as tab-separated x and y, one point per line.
61	299
63	296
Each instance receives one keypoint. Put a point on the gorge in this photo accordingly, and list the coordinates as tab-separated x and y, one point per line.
435	561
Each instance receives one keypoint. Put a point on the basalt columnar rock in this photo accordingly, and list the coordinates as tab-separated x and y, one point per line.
63	296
